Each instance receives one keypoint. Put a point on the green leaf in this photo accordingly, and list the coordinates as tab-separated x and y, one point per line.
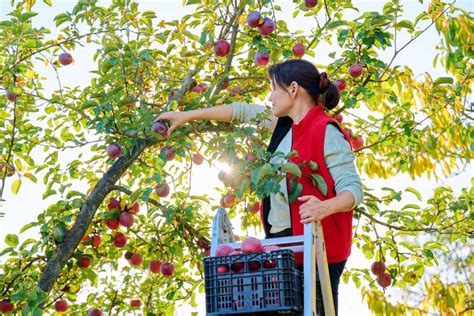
48	193
11	240
191	2
243	186
263	171
415	192
341	38
292	168
16	186
295	191
443	80
412	206
48	2
61	18
28	226
27	15
319	183
203	37
405	23
313	165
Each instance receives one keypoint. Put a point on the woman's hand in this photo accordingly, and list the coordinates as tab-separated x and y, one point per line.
177	119
313	209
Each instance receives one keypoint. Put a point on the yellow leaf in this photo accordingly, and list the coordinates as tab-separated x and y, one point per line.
30	74
16	186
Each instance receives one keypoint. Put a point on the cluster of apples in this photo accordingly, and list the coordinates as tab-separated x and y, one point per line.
357	142
383	278
64	59
249	245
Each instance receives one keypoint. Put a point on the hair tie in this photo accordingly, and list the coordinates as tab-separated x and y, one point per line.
323	82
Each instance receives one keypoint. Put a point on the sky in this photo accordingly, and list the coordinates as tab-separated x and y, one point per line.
23	208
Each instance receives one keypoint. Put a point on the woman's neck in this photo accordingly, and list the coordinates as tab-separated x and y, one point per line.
300	109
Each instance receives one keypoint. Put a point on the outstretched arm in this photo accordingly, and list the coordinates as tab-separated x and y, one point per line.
222	113
240	112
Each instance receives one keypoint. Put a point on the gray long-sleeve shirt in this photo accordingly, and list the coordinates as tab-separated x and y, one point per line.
338	157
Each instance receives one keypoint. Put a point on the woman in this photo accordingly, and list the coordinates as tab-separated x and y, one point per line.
299	96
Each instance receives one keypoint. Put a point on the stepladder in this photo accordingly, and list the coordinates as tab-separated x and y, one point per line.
311	244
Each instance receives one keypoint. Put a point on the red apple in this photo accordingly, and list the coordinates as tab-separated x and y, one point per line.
136	259
10	170
113	204
198	158
221	47
86	238
235	91
200	88
298	50
251	245
357	143
168	152
112	223
155	266
114	151
250	157
167	269
224	250
262	58
95	312
126	219
339	118
255	208
310	3
128	255
160	128
202	243
378	268
6	306
269	264
95	241
134	208
222	268
267	27
254	265
120	240
270	248
61	306
384	280
253	19
135	303
355	70
341	84
162	190
225	83
84	262
229	199
236	266
65	59
11	96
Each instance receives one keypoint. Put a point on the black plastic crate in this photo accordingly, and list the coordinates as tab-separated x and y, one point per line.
268	282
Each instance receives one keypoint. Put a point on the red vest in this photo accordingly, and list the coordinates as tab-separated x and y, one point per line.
308	141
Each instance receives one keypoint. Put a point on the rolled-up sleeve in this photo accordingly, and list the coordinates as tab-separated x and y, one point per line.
244	112
339	160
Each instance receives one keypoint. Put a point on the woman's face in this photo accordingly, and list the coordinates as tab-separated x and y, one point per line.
281	100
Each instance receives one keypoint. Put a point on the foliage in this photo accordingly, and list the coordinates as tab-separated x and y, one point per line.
419	126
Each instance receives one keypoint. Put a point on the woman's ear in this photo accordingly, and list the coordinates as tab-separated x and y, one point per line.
294	87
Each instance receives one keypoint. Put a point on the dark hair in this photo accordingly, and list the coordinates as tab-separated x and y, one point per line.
306	75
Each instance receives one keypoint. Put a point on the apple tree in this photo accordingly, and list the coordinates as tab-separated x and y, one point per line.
125	232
